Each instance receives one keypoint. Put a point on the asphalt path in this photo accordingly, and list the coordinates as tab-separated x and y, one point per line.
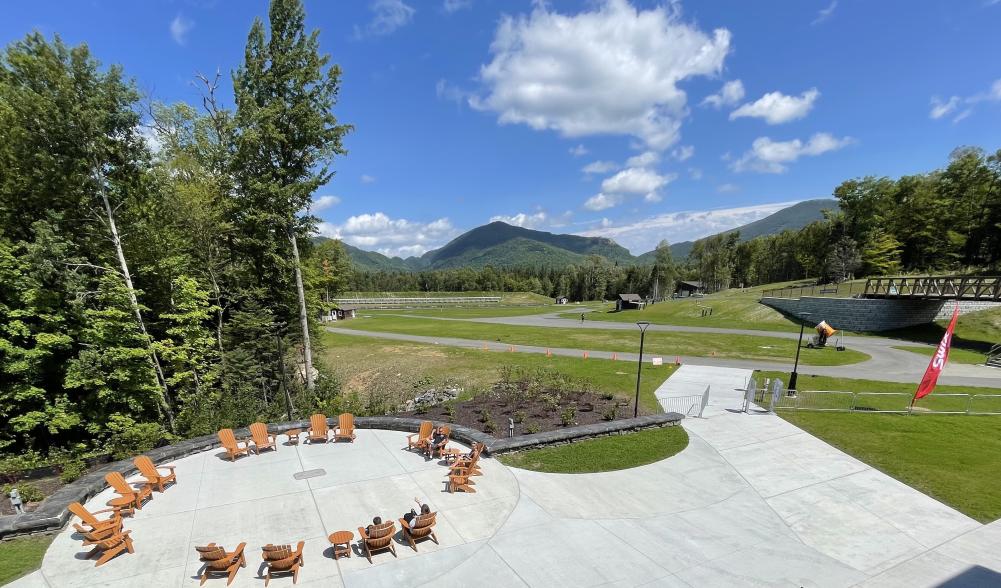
885	363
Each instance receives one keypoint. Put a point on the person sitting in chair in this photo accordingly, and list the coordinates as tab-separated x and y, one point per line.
438	441
409	517
375	523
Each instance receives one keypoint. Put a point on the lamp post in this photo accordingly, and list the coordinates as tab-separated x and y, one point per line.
639	367
795	367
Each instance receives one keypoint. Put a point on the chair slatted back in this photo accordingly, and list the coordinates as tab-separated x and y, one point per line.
422	525
318	422
117	481
84	514
211	552
346	422
227	438
427	427
379	536
259	432
146	467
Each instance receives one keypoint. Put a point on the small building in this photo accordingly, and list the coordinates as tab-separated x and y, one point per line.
338	313
562	300
685	289
629	302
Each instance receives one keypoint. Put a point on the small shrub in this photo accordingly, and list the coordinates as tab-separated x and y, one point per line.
532	428
489	426
568	416
485	416
71	470
29	492
551	402
607	396
130	438
450	411
519	416
611	413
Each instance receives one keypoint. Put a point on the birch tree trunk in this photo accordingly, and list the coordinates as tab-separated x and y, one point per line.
303	316
164	395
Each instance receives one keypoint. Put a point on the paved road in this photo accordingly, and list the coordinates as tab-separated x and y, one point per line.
885	363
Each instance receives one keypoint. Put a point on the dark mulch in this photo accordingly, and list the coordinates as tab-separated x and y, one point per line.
542	410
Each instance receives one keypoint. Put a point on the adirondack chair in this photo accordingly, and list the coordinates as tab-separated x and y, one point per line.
318	429
281	559
219	561
439	447
88	518
262	438
152	474
125	490
231	445
420	527
99	535
459	480
345	427
110	547
379	538
469	462
420	440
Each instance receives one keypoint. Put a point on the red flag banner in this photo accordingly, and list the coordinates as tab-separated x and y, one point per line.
937	361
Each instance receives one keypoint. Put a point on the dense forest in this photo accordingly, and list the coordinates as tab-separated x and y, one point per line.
156	259
947	220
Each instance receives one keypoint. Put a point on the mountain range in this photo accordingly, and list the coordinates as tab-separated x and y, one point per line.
500	244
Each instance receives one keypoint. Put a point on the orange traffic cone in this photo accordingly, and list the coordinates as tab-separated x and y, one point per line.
585	355
677	360
615	356
548	352
511	349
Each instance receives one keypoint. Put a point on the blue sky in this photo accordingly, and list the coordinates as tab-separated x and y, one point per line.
691	117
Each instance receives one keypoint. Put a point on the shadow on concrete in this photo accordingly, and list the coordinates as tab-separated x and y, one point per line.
973	577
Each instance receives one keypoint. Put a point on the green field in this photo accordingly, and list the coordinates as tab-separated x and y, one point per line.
976	331
956	354
21	556
667	344
605	454
954	458
507	298
471	312
363	364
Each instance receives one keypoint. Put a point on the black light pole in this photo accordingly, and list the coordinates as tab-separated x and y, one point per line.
793	375
639	367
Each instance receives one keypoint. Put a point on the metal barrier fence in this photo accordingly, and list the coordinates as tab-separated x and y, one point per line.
686	405
882	402
842	290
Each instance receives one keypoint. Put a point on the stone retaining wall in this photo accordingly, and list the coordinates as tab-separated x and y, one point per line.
52	515
872	314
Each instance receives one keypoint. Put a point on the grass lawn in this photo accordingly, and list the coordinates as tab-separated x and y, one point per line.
21	556
473	312
604	454
956	355
954	458
362	363
976	331
506	297
667	344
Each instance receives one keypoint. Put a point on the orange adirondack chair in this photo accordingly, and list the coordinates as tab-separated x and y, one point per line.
94	537
262	438
318	429
152	474
231	445
88	518
439	447
459	480
220	561
380	538
110	547
345	427
469	462
421	527
125	490
281	559
422	436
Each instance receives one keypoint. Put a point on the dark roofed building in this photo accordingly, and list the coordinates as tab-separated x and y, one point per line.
688	288
629	302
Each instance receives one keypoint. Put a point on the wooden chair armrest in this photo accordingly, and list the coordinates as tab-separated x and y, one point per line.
404	525
362	534
104	510
239	550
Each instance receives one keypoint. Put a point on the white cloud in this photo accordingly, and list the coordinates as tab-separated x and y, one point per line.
179	29
695	173
825	13
727	188
448	91
730	94
389	236
777	108
387	16
600	167
767	156
940	108
150	137
614	70
643	235
324	202
578	151
523	219
683	153
367	179
602	201
634	180
645	159
451	6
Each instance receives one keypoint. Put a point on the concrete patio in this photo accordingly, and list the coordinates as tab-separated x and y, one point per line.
752	501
